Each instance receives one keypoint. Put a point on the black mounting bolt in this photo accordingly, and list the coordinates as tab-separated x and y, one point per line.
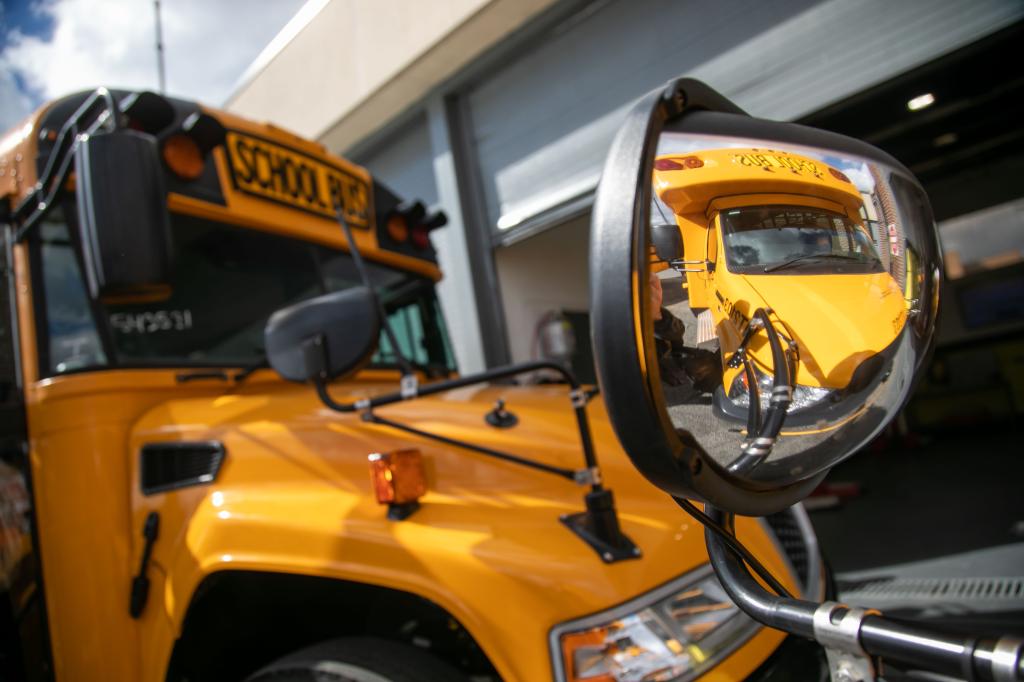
499	417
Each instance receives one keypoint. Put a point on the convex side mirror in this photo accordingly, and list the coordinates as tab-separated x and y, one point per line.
742	384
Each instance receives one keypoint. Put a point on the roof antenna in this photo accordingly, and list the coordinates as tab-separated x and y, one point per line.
409	384
160	50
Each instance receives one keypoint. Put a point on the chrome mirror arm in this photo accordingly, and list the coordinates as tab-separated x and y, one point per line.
855	635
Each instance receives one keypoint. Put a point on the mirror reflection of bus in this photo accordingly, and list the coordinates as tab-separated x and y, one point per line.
784	232
790	267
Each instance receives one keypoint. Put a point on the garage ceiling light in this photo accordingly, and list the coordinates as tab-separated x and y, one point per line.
921	101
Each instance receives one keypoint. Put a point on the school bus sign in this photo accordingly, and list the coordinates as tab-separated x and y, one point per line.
273	172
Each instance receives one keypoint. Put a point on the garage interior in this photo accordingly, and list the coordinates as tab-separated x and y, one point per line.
943	486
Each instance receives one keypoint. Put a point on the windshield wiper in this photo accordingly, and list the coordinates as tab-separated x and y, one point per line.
809	256
195	375
244	372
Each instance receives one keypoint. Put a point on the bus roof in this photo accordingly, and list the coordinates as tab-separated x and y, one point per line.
689	182
262	176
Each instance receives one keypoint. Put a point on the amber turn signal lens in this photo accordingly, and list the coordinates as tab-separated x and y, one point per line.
398	477
577	645
182	156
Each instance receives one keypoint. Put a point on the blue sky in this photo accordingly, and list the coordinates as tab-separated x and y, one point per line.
49	48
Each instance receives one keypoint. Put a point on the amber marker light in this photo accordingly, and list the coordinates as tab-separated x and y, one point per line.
398	229
398	478
182	156
579	649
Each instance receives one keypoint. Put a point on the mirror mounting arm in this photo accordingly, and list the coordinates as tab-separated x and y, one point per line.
598	526
680	265
371	417
874	635
578	396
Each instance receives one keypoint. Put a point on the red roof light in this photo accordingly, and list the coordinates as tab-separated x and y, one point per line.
667	165
678	163
839	175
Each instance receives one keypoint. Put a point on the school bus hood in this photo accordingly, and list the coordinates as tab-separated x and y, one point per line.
838	321
294	495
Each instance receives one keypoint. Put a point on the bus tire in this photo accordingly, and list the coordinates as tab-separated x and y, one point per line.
358	659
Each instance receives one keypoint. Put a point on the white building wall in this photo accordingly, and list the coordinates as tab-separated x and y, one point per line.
353	65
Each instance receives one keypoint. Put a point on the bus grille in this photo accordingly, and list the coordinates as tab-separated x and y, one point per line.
791	539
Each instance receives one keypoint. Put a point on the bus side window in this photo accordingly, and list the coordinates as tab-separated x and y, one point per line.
67	333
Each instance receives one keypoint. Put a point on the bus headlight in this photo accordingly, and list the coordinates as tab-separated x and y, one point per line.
682	630
803	396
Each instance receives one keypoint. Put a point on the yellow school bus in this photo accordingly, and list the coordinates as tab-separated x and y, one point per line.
172	509
784	233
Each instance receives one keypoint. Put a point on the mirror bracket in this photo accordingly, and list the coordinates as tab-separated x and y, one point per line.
837	628
598	526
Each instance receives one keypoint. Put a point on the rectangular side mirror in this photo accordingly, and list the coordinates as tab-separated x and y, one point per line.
667	241
122	213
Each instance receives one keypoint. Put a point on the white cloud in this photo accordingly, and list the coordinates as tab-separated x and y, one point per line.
207	46
861	177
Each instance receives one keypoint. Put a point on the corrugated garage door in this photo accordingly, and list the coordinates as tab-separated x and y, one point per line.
542	124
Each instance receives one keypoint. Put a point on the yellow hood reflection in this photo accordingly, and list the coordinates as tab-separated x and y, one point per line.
837	321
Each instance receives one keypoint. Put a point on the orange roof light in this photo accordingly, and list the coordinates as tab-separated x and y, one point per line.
181	154
398	228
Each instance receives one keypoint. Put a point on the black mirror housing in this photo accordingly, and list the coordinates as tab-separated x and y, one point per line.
122	209
324	337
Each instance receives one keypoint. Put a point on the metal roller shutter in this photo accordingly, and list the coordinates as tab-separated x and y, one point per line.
542	124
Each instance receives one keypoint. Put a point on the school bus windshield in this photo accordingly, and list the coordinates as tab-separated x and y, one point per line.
227	281
795	239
